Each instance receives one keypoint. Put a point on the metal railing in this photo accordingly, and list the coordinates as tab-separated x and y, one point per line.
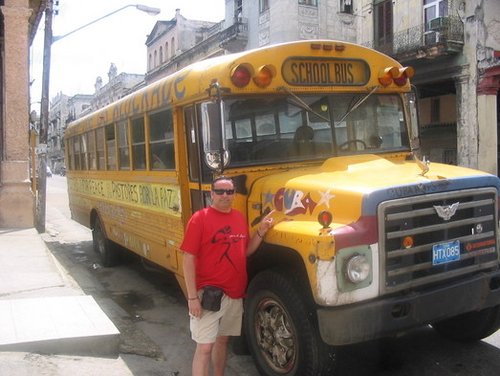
448	35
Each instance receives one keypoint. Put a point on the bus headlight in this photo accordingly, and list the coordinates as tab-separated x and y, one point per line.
357	268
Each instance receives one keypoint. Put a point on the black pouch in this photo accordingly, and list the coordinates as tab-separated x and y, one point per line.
211	299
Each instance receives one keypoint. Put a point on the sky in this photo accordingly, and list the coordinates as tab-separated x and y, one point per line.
78	59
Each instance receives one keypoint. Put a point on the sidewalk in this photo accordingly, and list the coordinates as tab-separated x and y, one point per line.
43	311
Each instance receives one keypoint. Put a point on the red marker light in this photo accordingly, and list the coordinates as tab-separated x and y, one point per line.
241	75
325	218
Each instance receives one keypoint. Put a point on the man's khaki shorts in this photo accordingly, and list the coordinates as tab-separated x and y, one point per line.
225	322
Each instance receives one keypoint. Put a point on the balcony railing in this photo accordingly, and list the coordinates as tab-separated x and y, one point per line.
235	37
442	36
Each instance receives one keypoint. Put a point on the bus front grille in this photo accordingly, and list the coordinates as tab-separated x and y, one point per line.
419	247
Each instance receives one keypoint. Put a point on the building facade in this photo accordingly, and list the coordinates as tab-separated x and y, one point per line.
454	47
18	24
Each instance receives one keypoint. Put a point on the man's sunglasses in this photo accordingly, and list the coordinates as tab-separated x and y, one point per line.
220	192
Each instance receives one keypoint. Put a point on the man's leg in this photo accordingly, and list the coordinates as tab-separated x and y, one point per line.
201	359
219	355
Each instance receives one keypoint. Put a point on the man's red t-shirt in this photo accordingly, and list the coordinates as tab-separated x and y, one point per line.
219	241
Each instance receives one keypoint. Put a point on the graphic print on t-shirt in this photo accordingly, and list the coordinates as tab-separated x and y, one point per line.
226	238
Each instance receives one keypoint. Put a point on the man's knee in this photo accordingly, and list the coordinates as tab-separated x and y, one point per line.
204	348
222	340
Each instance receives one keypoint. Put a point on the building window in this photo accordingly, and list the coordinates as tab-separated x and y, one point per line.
238	9
161	55
263	5
172	48
312	3
383	26
150	61
156	59
434	9
166	51
346	6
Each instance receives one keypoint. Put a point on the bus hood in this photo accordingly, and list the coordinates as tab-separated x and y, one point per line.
351	187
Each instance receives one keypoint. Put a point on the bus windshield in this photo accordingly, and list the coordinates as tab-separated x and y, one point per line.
299	128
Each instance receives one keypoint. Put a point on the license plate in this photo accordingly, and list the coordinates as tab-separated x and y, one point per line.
445	252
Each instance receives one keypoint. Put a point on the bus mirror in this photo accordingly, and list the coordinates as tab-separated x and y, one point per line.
214	140
413	128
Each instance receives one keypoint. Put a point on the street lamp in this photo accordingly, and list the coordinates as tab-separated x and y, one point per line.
143	8
44	107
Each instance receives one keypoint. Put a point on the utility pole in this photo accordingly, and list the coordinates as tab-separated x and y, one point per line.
44	122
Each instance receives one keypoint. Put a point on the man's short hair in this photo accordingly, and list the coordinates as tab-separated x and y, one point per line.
222	177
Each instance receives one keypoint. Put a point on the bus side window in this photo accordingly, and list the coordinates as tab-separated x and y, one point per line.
84	152
138	144
110	147
92	151
101	156
76	151
123	147
161	141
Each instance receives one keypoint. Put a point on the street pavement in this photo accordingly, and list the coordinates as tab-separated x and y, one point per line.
48	325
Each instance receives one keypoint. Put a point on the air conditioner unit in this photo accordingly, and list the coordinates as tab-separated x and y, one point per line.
438	24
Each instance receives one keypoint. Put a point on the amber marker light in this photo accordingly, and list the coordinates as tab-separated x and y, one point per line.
387	75
264	76
407	242
325	218
241	75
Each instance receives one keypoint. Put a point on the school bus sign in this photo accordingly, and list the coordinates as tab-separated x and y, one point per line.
325	71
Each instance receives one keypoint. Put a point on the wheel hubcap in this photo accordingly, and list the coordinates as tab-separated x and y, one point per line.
274	336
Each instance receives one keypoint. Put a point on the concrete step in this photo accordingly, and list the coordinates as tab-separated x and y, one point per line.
69	325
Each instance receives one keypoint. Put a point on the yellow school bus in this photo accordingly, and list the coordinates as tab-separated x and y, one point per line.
371	239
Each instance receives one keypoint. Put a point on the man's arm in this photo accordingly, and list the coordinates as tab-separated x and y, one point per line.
264	225
189	267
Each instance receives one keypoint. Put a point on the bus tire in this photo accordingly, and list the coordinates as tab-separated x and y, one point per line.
281	331
470	326
106	249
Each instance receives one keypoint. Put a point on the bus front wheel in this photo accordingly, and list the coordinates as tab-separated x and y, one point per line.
280	329
103	246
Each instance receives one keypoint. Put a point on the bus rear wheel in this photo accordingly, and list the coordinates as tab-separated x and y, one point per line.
471	326
106	249
280	329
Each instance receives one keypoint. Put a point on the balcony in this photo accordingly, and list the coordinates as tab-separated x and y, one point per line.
235	37
440	37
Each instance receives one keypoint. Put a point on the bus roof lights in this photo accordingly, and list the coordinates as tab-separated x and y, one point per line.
404	74
387	75
264	76
241	75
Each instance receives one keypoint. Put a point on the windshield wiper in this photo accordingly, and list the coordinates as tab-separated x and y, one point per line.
358	103
303	104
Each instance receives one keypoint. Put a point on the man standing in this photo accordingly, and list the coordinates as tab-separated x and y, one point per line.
216	245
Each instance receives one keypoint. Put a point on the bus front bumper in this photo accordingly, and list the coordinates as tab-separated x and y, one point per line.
385	317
